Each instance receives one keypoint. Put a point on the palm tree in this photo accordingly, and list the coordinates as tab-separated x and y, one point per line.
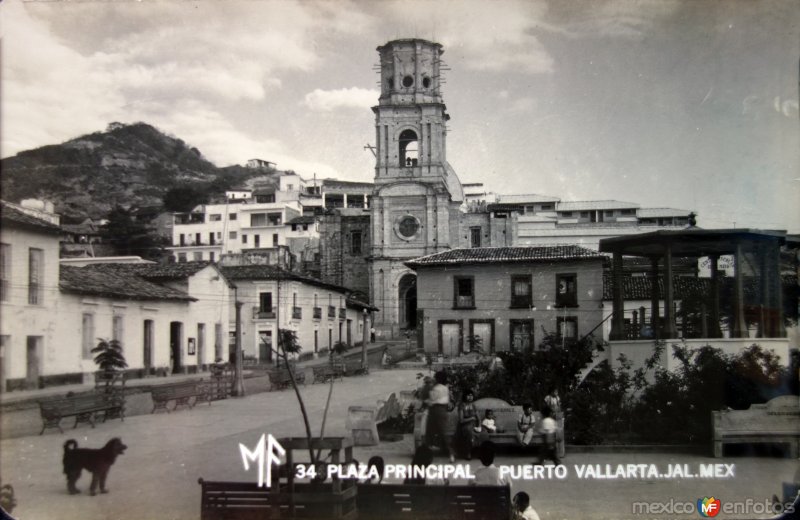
109	356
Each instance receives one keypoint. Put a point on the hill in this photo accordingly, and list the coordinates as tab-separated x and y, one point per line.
132	166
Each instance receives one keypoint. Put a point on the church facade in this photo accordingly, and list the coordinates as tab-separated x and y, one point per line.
417	197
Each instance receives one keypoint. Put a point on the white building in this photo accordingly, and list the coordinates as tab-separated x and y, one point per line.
320	313
29	249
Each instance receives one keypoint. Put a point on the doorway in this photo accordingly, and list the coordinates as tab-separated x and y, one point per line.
33	354
148	346
407	298
175	342
265	346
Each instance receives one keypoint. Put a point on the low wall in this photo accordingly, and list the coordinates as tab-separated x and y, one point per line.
638	351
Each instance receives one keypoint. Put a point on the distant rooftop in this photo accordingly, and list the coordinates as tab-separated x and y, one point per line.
486	255
530	198
662	212
596	205
15	215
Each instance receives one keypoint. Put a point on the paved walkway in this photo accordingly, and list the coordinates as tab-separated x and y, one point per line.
157	477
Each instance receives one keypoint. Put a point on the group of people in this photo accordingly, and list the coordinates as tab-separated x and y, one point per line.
473	431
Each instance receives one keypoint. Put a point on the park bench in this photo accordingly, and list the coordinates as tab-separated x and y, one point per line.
246	500
184	394
85	408
777	421
433	502
363	421
279	378
324	373
353	367
506	417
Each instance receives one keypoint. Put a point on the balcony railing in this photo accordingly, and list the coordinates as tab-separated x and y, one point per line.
297	313
317	313
331	311
263	314
465	302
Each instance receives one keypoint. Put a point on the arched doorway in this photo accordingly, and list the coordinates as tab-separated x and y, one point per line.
407	297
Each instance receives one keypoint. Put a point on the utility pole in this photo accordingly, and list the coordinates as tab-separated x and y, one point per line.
365	339
238	389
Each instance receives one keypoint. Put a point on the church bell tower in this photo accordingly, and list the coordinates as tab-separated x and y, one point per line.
417	194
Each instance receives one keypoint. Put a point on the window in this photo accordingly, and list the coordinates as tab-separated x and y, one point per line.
265	302
547	207
244	238
258	219
463	292
182	239
289	187
475	237
521	334
566	290
211	256
35	268
584	214
256	240
628	212
117	329
609	213
232	216
567	327
5	271
529	210
305	227
294	227
232	235
521	291
355	240
409	151
182	258
274	239
566	213
215	217
87	335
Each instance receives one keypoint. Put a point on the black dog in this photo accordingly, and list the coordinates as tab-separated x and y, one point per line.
97	462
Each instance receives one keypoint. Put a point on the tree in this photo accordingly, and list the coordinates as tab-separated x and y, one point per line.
183	199
109	356
129	237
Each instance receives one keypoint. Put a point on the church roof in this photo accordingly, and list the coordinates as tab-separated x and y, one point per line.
491	255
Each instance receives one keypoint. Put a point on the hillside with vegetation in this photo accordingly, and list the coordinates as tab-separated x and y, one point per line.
130	166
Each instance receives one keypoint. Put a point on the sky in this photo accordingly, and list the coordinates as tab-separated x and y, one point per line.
665	103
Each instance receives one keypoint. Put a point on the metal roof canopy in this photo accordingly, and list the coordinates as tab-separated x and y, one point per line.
692	242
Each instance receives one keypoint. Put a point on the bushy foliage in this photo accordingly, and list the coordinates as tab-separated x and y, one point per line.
109	355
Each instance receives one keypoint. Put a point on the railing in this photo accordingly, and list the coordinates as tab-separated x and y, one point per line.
317	313
331	311
297	313
263	314
465	302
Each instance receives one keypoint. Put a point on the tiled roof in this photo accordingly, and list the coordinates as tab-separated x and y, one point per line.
155	272
12	216
487	255
271	272
99	282
595	204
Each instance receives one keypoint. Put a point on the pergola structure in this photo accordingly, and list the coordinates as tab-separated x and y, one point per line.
661	247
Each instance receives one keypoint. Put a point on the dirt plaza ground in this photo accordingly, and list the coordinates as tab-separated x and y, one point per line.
157	477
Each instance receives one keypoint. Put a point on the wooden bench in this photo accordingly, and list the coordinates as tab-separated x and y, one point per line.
279	378
85	408
777	421
506	417
324	373
352	367
432	502
184	394
245	500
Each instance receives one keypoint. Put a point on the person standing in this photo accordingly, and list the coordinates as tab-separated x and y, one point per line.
467	423
554	402
526	425
438	402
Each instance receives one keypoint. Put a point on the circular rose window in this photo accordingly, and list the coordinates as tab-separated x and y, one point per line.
408	227
408	81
